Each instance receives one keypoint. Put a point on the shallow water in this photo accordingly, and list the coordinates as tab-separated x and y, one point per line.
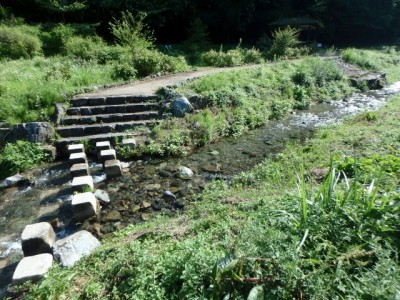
137	196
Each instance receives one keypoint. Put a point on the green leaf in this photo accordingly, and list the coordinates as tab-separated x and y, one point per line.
256	293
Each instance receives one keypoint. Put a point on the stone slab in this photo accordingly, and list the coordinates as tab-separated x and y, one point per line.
82	184
32	268
109	154
84	205
113	168
72	248
129	142
37	238
103	145
79	170
76	148
78	158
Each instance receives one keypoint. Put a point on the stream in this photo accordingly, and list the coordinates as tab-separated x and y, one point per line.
137	196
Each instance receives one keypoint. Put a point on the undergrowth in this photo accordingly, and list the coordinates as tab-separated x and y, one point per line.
278	231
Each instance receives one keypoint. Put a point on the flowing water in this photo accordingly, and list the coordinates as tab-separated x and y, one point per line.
137	196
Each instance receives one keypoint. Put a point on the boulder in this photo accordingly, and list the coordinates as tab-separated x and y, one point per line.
32	268
84	206
34	132
15	180
37	238
374	81
102	196
72	248
180	107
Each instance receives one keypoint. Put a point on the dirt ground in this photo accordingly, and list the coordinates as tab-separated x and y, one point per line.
149	86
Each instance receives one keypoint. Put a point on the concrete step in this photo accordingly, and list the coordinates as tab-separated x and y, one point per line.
111	100
110	118
86	130
111	109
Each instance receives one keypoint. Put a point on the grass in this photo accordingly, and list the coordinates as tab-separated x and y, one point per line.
279	230
384	58
231	103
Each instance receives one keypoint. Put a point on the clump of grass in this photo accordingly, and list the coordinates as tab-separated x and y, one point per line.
359	58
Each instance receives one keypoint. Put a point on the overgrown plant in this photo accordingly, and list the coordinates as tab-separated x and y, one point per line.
283	41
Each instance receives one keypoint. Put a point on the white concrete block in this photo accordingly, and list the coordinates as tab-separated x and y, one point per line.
82	184
37	238
32	268
79	170
104	145
84	205
78	158
107	155
113	168
76	148
129	142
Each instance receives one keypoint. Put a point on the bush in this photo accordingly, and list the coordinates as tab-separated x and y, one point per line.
124	70
16	43
132	32
54	41
234	57
283	41
82	47
21	156
359	58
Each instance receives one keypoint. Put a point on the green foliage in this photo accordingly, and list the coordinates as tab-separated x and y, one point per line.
284	41
359	58
21	156
124	70
83	47
55	40
131	31
233	57
16	42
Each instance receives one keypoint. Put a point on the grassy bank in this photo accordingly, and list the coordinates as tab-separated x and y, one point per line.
318	221
231	103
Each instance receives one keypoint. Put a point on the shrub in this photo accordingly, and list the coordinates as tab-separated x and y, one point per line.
284	40
54	41
131	31
21	156
234	57
84	48
16	43
124	70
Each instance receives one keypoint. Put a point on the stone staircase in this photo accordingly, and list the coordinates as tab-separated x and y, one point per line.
106	118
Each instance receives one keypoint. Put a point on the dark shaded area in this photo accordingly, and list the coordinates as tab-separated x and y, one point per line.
343	21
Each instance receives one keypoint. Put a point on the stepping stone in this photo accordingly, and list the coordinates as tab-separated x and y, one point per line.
76	148
79	170
32	268
82	184
72	248
113	168
84	205
109	154
37	238
78	158
129	142
104	145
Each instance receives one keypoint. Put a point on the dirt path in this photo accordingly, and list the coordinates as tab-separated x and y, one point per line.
151	85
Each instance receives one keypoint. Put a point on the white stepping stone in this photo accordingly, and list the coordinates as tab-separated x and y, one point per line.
79	170
78	158
104	145
76	148
84	205
32	268
107	155
113	168
37	238
129	142
82	184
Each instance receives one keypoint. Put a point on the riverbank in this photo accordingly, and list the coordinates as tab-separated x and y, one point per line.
289	227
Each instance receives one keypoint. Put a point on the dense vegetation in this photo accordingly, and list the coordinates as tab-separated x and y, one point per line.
280	231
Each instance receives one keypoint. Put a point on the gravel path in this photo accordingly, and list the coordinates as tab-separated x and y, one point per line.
149	86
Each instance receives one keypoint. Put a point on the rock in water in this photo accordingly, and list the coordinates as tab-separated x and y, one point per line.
72	248
102	196
185	173
169	197
180	107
